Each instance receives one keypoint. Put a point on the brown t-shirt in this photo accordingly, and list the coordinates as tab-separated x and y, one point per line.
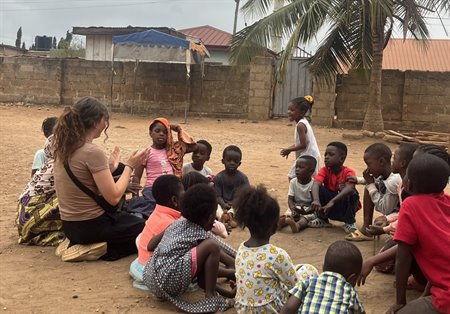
74	204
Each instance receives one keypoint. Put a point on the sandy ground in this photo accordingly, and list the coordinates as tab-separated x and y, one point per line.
34	280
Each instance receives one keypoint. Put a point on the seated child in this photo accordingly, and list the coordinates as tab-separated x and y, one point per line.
299	196
385	260
186	250
165	157
423	232
40	157
193	178
333	290
400	161
381	192
227	182
167	190
264	272
201	155
334	193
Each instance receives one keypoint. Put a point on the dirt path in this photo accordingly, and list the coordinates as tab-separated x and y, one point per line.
34	280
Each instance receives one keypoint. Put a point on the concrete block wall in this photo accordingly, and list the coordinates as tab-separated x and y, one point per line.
154	88
260	89
30	80
411	100
323	110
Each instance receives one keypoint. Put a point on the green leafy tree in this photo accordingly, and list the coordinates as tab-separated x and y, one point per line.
54	44
74	50
358	32
23	45
19	37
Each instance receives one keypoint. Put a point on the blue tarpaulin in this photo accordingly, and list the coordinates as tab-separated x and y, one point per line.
152	38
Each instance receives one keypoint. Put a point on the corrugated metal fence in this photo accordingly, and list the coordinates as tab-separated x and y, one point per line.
296	83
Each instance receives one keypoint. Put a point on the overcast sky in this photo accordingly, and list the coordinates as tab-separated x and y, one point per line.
55	17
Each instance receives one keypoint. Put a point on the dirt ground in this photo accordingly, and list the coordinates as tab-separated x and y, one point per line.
34	280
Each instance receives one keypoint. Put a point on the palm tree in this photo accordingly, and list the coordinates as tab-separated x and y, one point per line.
358	31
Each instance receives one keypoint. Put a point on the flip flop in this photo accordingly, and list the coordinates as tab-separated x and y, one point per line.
357	236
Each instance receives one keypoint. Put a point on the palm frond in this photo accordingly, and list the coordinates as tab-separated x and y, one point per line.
299	21
257	8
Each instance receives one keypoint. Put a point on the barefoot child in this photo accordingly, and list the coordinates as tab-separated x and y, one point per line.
186	250
165	157
333	290
333	191
299	196
424	233
381	192
227	182
264	272
167	190
201	155
304	140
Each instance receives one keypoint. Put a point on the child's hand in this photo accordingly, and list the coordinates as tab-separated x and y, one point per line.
316	206
326	209
137	158
365	271
285	152
114	159
352	179
368	177
375	230
133	187
395	308
175	127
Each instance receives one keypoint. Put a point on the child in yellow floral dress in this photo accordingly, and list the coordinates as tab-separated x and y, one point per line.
264	272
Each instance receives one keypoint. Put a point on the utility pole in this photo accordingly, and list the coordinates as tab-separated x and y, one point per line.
236	13
276	38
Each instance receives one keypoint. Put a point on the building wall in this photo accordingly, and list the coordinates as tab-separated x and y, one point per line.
155	88
98	47
411	100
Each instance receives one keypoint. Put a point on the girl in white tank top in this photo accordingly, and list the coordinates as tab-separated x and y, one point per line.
304	140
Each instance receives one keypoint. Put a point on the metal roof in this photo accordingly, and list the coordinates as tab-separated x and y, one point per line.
211	36
100	30
417	55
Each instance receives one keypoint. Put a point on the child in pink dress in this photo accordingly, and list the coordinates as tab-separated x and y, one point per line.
165	157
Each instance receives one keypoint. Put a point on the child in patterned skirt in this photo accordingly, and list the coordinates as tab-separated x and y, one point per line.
264	272
186	250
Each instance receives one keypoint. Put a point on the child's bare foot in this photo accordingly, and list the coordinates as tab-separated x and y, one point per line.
292	224
297	226
282	222
225	217
232	222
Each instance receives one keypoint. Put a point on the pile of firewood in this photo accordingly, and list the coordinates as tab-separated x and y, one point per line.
419	137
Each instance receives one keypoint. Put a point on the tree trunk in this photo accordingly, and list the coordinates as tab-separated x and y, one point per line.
373	119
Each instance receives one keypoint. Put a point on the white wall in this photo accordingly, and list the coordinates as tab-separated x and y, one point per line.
98	47
219	56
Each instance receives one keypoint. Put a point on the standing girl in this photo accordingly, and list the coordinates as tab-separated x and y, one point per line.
186	251
165	157
264	272
304	140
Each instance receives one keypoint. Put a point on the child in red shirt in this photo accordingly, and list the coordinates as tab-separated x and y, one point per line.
424	232
333	191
